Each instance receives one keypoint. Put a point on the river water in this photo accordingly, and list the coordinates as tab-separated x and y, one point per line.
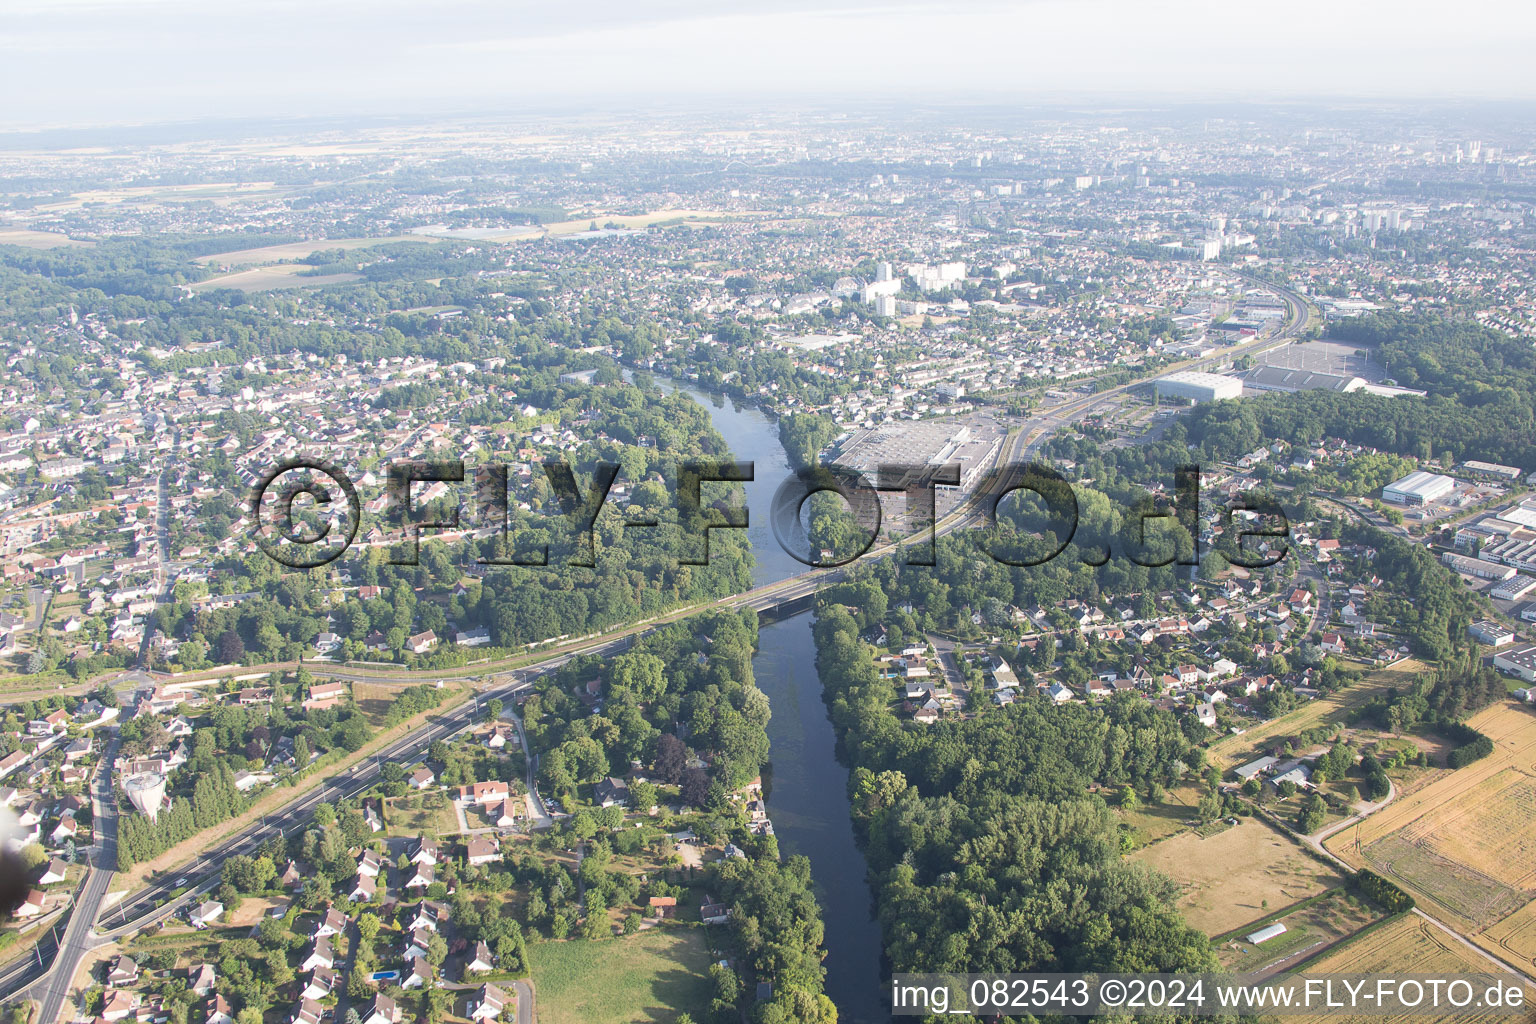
808	788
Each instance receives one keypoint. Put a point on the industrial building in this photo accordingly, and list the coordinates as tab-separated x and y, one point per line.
1520	662
1479	567
1492	470
1198	387
1418	488
971	443
1494	634
1513	589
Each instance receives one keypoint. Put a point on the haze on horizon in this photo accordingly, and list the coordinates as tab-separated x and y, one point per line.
93	62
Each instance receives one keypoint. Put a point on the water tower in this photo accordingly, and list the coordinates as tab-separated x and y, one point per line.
147	791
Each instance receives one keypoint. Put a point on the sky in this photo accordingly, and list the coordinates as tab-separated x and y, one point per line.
94	62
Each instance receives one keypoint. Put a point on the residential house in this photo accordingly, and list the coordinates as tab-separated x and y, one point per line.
480	960
33	905
325	695
201	979
417	973
504	814
118	1004
364	889
217	1011
124	971
206	913
322	982
481	851
483	794
713	912
486	1005
332	922
417	942
383	1010
611	792
428	915
307	1012
320	955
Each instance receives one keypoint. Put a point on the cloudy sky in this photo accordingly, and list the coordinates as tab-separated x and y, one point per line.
85	62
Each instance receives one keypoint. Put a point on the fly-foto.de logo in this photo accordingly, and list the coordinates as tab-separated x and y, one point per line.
307	513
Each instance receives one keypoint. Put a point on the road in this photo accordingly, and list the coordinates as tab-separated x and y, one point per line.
163	549
79	935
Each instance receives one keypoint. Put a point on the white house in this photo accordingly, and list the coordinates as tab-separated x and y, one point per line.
487	1004
206	914
321	955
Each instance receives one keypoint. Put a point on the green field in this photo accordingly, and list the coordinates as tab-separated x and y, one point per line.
1310	929
647	977
421	814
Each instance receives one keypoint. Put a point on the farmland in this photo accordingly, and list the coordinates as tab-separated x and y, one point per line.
261	279
1407	944
38	239
1464	843
1309	929
1238	875
298	250
647	977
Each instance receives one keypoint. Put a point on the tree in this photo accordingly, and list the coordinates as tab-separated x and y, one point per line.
368	926
671	758
642	796
437	950
493	709
695	787
1312	814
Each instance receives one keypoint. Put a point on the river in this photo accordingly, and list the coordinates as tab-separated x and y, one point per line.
808	787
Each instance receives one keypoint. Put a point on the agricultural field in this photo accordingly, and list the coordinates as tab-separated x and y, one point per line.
298	250
1466	842
1238	875
1309	930
1408	944
1330	711
261	279
39	239
1514	938
645	978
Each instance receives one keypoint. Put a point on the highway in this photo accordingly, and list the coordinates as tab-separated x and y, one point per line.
510	676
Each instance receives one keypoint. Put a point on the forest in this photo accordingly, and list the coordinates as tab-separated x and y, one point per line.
987	850
681	701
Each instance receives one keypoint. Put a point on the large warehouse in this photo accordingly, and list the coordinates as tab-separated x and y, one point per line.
1198	387
1418	488
1520	662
